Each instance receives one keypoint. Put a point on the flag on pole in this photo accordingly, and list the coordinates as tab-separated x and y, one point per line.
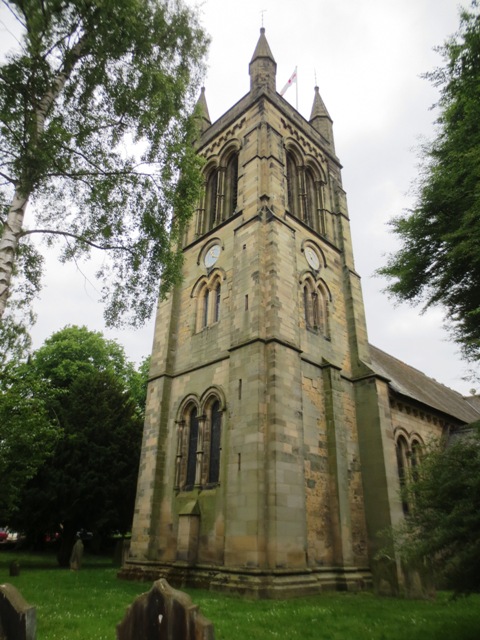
290	81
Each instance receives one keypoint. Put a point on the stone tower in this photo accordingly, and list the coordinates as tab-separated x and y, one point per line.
263	466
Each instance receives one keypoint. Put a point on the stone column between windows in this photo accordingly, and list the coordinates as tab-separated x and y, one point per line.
202	420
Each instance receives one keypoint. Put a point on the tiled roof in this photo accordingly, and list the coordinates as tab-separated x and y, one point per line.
414	384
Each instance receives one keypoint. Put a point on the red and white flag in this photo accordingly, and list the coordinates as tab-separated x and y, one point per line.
290	81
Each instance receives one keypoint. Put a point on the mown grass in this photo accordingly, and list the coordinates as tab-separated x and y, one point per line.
87	606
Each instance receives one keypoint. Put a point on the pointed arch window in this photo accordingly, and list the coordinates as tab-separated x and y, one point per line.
211	199
292	184
205	306
310	305
199	445
231	185
409	452
192	448
416	457
310	199
208	294
215	440
218	296
402	464
315	306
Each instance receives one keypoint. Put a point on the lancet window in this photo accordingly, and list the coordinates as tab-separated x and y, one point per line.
220	197
292	184
305	192
409	451
211	193
208	293
192	422
315	305
231	185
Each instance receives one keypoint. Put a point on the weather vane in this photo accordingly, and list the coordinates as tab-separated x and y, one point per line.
262	12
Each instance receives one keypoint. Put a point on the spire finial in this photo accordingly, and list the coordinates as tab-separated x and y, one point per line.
262	12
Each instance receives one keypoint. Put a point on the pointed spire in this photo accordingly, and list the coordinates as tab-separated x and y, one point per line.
320	118
263	68
202	110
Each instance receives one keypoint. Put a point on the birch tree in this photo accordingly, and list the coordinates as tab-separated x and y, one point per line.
91	82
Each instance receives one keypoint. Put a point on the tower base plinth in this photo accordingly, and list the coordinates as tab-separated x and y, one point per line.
253	583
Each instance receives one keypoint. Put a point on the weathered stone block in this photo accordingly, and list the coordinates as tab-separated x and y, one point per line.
18	619
164	614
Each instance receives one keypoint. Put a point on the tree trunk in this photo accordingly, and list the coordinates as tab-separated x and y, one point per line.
9	244
13	226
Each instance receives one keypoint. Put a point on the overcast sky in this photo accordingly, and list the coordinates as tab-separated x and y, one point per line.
367	57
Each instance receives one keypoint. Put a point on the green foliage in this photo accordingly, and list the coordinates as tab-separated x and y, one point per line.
439	261
97	130
443	526
28	435
90	479
75	350
80	396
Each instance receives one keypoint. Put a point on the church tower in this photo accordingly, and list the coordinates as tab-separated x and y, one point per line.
263	464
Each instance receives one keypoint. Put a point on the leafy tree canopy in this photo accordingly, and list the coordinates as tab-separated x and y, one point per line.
96	131
27	435
443	526
75	350
439	260
78	403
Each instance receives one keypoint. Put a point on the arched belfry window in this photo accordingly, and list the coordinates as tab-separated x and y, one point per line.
310	198
292	184
305	188
211	198
313	199
220	197
231	185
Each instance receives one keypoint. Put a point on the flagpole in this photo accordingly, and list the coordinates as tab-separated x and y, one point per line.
296	88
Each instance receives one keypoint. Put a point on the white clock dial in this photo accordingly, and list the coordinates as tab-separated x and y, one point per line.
312	258
212	255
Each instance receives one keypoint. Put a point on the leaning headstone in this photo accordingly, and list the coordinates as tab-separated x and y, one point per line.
164	614
18	620
120	552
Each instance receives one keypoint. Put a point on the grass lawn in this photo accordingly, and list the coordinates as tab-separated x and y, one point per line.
87	605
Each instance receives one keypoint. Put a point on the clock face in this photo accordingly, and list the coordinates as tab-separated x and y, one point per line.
312	258
212	255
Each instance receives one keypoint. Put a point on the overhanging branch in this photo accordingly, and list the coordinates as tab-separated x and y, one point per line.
67	234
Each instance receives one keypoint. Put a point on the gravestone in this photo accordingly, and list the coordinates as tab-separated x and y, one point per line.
120	553
18	620
164	614
14	568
